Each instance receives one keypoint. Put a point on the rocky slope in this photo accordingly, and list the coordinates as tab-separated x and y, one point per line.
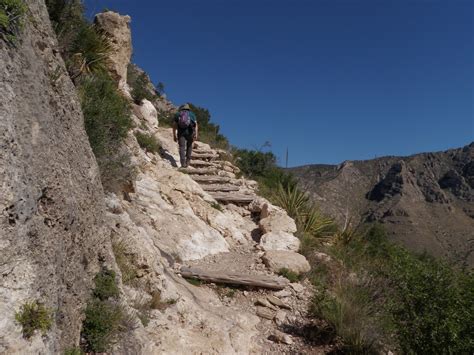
425	201
58	227
51	199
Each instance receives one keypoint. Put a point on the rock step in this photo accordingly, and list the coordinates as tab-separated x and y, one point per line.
232	197
206	179
202	171
221	188
204	156
201	163
205	151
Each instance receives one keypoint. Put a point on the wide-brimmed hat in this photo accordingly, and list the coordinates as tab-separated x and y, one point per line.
185	107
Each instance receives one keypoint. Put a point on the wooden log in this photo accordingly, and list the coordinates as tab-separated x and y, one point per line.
232	197
210	179
221	188
263	281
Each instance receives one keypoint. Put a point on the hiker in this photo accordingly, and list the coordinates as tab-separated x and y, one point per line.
186	125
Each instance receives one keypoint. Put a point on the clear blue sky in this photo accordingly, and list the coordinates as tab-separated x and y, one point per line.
331	80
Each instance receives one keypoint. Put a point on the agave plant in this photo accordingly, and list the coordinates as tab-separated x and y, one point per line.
315	224
293	200
90	52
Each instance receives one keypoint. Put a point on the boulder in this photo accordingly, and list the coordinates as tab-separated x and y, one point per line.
276	260
117	27
149	113
278	222
279	241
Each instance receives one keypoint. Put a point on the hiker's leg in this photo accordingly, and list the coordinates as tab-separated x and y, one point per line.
189	149
182	148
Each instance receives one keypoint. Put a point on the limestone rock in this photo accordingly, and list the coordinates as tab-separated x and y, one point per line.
265	312
280	318
281	338
149	113
279	241
276	260
278	222
265	303
117	27
51	198
277	302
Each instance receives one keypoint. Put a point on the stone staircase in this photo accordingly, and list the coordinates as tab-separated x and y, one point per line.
217	176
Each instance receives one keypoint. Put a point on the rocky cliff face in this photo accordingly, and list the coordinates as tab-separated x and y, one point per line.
425	200
51	199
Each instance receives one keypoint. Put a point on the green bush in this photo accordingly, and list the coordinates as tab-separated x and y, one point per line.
209	132
125	262
290	275
148	142
73	351
105	318
105	285
101	325
34	316
350	312
139	85
426	303
107	121
11	19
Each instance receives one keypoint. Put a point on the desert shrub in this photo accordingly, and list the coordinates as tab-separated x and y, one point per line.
105	285
105	317
349	310
73	351
426	303
107	121
140	86
11	19
101	325
34	316
125	262
106	113
148	142
209	132
290	275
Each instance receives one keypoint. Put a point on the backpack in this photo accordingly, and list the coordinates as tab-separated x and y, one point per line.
184	119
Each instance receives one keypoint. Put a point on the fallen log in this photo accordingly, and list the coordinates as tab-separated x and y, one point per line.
263	281
232	197
221	188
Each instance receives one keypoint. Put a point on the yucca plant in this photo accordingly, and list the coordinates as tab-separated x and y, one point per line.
293	200
90	52
315	224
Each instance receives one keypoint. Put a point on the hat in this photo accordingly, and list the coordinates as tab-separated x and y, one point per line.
185	107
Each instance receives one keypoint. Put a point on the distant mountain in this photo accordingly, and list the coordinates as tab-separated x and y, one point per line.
425	201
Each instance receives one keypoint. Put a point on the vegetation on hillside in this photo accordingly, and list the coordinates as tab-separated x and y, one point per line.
105	317
12	13
34	316
373	295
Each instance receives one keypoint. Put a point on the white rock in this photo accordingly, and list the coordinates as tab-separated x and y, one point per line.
299	288
117	27
278	222
280	317
149	113
279	241
283	293
276	260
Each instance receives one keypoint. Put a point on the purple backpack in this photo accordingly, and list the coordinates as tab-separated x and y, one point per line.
184	121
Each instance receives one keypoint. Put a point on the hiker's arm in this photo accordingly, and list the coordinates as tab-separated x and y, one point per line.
175	127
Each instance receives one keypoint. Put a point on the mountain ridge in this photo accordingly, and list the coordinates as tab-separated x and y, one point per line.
418	195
